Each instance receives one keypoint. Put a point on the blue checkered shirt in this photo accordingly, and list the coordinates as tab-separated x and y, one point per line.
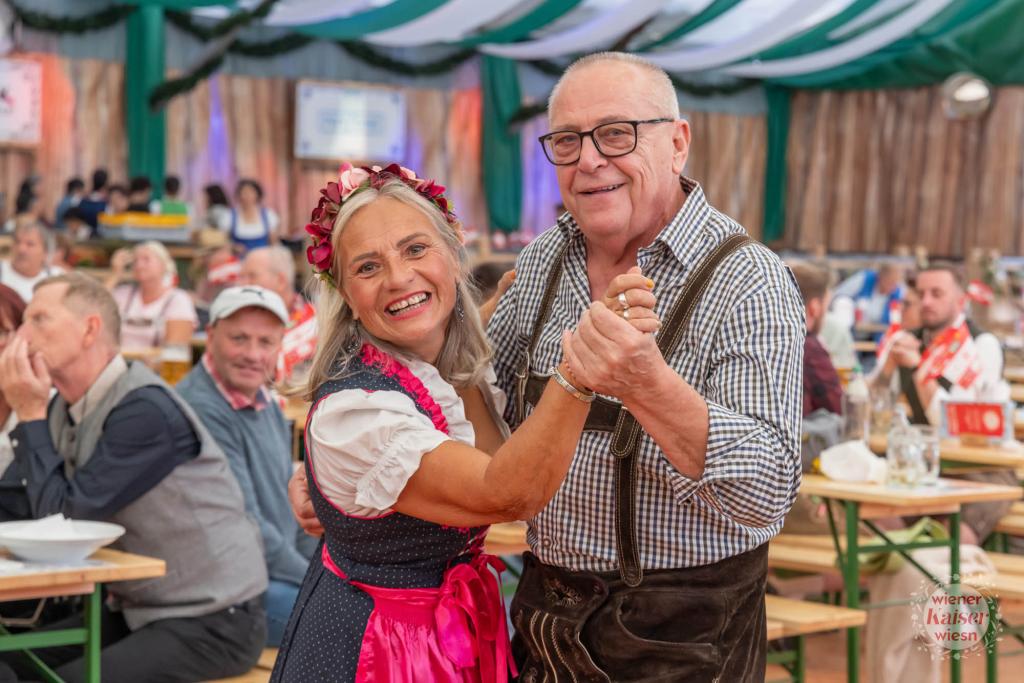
742	351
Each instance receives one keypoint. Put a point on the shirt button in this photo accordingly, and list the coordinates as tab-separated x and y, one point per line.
14	443
545	542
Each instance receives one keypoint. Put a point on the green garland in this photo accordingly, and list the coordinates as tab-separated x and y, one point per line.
373	57
293	41
173	87
105	18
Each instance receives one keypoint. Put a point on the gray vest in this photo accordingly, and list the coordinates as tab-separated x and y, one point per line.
194	519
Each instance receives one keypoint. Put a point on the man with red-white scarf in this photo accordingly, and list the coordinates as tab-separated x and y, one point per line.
947	358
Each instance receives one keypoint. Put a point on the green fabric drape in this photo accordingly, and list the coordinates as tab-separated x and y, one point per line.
714	10
913	60
775	163
980	36
542	15
377	19
816	38
144	70
502	162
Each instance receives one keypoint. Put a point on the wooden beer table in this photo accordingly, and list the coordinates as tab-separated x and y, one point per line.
85	578
863	502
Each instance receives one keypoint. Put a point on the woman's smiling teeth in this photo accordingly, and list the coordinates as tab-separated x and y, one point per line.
408	303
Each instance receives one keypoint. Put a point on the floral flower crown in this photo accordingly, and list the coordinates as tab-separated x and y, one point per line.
351	181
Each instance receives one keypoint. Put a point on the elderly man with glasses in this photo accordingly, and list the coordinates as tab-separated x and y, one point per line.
649	564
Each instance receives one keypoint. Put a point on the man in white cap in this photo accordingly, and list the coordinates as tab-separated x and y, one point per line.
228	390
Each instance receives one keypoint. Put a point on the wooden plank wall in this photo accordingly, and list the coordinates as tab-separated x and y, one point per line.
727	156
869	171
82	128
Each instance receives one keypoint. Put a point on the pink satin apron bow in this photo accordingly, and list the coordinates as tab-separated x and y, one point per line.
469	614
470	617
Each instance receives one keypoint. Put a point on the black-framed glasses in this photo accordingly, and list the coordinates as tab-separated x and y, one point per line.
613	139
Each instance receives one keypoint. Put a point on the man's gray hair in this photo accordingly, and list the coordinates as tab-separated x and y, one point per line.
279	260
85	295
663	92
45	234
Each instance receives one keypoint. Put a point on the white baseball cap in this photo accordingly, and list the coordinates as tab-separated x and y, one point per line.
234	299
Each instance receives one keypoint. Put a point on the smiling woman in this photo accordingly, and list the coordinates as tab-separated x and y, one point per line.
408	458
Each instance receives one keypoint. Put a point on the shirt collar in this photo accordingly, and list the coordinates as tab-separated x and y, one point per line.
235	399
103	383
682	236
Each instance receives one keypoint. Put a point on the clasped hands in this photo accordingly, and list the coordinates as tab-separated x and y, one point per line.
613	349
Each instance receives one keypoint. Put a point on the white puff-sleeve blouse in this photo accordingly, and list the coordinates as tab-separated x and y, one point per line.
367	444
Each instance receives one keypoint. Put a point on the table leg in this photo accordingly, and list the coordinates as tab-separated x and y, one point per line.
851	582
93	637
954	571
992	646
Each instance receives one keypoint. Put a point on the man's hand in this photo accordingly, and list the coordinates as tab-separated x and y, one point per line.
614	356
302	505
25	381
630	295
906	350
487	308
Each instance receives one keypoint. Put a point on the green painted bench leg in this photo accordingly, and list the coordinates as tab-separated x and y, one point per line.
800	665
851	575
93	638
992	646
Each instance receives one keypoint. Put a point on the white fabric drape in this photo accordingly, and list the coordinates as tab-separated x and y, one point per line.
864	44
299	12
591	35
788	22
295	12
878	11
451	21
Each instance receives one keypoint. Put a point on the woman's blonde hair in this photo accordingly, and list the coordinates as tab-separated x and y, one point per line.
164	256
465	352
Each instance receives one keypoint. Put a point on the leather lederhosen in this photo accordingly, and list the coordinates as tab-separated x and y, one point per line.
695	623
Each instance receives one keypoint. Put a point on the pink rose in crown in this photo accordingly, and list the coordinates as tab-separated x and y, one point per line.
350	180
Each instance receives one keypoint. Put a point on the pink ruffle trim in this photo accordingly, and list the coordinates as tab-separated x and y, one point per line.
388	365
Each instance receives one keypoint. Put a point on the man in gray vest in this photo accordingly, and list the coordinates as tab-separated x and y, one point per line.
116	444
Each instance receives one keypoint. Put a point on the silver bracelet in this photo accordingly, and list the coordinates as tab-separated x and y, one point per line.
585	396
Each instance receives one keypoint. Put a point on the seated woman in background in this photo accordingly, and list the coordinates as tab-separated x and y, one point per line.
154	312
407	456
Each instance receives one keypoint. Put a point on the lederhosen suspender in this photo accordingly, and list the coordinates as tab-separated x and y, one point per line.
610	416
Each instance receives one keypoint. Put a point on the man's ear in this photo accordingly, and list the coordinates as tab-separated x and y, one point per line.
93	329
814	309
680	145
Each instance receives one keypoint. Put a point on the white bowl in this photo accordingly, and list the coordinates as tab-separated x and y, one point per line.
85	539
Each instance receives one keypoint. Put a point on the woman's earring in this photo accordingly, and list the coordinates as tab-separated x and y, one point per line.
460	310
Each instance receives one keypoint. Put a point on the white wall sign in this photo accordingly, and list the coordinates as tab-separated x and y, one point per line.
343	122
21	112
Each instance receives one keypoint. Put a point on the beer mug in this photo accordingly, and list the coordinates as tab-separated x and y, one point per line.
175	362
